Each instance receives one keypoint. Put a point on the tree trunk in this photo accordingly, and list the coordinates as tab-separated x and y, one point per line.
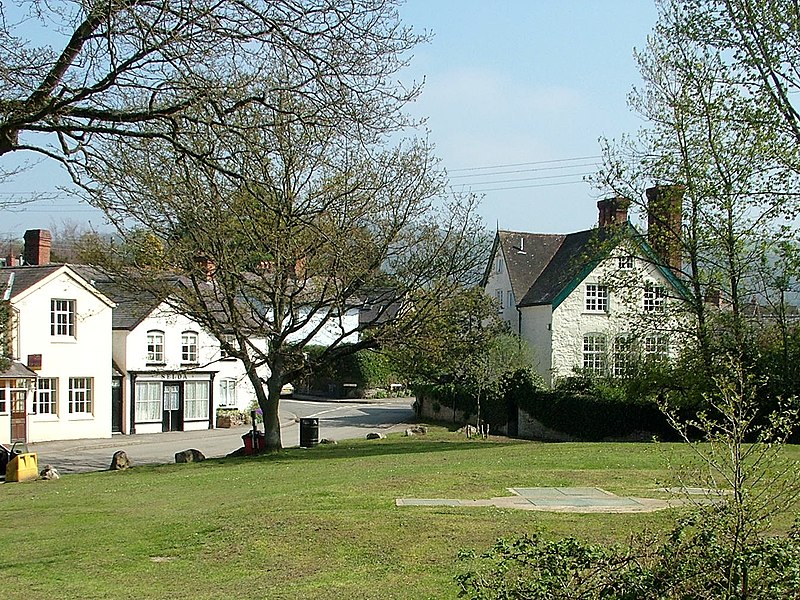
269	406
268	401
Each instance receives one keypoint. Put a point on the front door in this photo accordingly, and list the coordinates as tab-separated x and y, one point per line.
173	411
116	405
18	416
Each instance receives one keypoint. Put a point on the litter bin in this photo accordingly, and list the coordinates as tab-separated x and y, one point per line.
254	441
309	432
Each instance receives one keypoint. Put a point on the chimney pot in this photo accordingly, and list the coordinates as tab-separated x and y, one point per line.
37	247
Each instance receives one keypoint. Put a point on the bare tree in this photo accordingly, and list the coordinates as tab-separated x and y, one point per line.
303	226
156	69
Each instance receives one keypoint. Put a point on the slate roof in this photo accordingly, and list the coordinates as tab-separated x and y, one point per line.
576	253
526	255
545	268
24	277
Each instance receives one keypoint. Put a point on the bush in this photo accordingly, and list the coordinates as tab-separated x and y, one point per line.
695	561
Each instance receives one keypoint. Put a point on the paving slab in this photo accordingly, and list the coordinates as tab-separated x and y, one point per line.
555	499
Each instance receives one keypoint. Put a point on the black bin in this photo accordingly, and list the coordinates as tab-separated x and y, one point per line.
309	432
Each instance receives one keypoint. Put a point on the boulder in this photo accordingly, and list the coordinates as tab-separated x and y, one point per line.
49	473
374	435
190	455
416	430
120	461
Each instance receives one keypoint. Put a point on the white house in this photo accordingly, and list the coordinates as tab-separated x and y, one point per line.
59	386
587	300
170	373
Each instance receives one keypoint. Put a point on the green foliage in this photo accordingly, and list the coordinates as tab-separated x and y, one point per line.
368	369
694	561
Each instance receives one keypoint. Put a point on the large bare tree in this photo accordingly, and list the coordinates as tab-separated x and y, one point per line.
307	228
78	73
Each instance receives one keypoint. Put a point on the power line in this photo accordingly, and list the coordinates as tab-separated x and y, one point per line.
558	168
524	164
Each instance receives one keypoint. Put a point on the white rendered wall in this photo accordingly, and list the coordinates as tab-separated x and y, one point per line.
87	354
536	331
499	281
625	315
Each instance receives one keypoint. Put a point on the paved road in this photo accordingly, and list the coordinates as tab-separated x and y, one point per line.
337	420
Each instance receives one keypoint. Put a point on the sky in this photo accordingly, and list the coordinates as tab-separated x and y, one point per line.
516	95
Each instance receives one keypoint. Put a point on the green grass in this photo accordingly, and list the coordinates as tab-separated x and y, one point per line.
305	523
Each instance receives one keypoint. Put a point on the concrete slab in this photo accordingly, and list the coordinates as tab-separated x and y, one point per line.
554	499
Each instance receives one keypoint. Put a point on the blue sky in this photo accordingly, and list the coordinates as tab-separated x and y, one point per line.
527	86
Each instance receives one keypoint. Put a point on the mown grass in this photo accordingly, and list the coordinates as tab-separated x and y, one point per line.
306	523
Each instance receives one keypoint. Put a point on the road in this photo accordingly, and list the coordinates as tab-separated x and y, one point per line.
337	421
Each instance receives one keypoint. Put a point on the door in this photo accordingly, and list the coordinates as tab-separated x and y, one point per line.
116	405
173	411
18	417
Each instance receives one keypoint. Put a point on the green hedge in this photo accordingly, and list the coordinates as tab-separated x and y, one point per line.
367	369
588	410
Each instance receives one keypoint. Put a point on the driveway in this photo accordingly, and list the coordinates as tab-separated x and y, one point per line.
337	420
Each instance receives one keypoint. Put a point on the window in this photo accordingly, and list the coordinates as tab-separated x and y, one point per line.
655	347
594	353
46	396
195	400
626	262
231	341
62	317
499	295
623	355
3	401
596	298
80	395
189	347
148	401
654	297
227	392
499	265
155	346
509	298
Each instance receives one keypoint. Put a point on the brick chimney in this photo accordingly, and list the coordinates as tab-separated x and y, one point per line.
664	221
206	266
612	211
37	247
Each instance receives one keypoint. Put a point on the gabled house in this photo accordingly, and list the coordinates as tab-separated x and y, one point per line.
59	384
587	300
170	373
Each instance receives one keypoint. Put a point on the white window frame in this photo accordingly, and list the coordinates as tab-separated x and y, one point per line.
654	297
655	347
594	353
195	400
189	342
227	393
499	265
155	346
626	262
3	400
62	317
231	340
623	354
499	295
80	395
596	298
148	407
510	298
46	400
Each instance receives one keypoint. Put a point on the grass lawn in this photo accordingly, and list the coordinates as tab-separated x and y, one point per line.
306	523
